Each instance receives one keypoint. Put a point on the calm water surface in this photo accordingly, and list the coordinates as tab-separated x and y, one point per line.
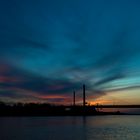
70	128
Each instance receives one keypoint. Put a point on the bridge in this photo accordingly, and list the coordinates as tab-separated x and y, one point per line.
117	106
127	105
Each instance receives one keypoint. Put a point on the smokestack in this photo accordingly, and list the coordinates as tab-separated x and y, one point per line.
84	96
73	98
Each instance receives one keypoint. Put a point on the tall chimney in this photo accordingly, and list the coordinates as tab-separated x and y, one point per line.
84	96
73	98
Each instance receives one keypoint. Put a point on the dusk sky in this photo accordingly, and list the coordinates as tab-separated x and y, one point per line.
48	48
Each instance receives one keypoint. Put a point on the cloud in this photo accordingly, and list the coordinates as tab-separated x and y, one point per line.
36	85
52	49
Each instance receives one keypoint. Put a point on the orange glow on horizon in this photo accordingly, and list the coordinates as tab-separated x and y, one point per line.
101	102
115	98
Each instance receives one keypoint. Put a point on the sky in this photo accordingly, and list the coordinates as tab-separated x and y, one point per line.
48	49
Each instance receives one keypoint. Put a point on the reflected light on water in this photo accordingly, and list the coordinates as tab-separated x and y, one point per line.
70	128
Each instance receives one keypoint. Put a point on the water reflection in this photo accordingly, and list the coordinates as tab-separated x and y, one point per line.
70	128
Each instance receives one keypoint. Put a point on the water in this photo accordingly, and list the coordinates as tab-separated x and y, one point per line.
70	128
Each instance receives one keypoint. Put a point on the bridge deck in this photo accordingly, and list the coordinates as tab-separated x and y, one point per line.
117	106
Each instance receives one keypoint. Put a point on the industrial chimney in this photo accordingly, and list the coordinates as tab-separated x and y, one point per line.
73	98
84	96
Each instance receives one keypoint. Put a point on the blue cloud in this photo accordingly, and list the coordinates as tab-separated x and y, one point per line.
69	43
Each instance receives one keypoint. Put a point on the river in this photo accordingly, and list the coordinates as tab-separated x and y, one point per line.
119	127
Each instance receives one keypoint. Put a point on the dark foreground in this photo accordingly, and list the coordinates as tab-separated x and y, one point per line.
49	110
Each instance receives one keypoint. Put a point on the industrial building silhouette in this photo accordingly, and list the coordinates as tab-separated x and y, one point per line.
32	109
